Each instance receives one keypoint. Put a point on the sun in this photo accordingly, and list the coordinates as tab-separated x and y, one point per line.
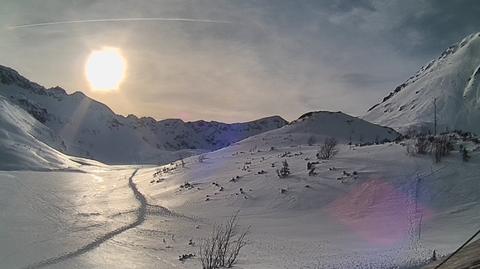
105	69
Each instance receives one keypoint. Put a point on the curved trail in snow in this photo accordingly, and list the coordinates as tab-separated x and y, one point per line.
141	212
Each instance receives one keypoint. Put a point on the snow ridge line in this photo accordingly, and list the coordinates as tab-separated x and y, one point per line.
140	212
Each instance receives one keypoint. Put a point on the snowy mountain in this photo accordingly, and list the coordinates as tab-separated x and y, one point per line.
20	145
87	128
453	79
314	127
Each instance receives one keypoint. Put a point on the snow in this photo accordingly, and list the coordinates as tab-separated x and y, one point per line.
109	217
316	126
370	206
87	128
453	79
19	145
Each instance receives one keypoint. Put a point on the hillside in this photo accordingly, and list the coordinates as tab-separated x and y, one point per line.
20	142
90	129
368	207
314	127
453	79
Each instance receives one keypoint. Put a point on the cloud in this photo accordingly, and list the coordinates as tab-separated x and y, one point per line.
276	57
360	79
110	20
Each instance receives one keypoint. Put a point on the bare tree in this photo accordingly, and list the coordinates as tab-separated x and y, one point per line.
328	149
221	249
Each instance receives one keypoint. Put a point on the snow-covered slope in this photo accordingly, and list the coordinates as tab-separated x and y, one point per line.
90	129
368	207
453	79
314	127
20	141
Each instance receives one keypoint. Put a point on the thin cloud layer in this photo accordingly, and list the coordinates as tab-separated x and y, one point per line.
274	57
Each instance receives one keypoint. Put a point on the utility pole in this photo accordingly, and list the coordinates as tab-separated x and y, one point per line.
435	116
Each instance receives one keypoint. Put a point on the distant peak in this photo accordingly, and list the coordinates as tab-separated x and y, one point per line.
320	112
9	76
58	89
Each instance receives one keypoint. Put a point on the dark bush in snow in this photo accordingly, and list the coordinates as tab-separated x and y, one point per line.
328	149
284	171
422	145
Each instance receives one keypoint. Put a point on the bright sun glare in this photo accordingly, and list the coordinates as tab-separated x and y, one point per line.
105	69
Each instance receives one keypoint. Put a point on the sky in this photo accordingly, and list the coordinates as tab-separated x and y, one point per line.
235	60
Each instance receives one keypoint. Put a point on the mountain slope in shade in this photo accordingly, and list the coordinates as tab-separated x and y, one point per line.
20	144
88	128
314	127
453	79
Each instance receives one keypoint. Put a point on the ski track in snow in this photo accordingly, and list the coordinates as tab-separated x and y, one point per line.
141	213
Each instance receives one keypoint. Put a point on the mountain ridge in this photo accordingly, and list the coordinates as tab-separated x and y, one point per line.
453	79
88	128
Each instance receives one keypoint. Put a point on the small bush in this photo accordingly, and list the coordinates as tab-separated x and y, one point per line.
221	249
328	149
422	145
284	171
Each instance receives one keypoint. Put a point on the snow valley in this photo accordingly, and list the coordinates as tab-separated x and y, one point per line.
83	187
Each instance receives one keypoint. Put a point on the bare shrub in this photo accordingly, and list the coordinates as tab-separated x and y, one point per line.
284	171
422	145
441	147
221	249
328	149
